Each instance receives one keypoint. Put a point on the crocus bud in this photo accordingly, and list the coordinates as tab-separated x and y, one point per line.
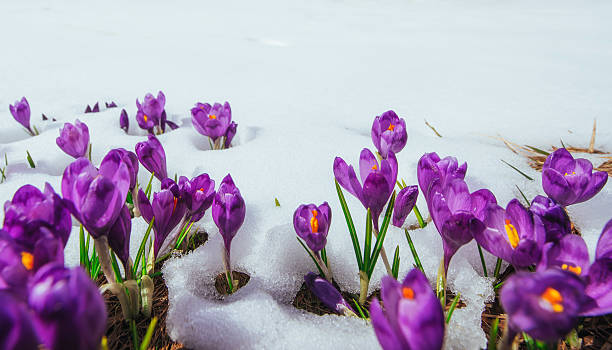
21	112
68	309
96	108
110	105
229	134
131	161
212	121
311	223
119	235
74	139
328	294
389	133
124	121
404	202
228	210
570	181
168	211
431	167
412	318
552	216
17	331
198	194
153	157
87	109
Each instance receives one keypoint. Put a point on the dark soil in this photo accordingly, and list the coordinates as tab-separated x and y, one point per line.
221	282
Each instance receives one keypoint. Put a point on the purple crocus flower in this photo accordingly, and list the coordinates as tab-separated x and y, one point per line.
431	167
512	234
554	218
604	244
95	197
69	312
21	112
229	134
119	236
452	210
413	317
124	121
87	109
17	331
311	223
328	294
30	209
110	105
198	194
568	253
228	212
212	121
14	267
96	108
131	161
389	133
570	181
378	180
172	125
74	139
168	210
404	202
544	304
150	112
153	157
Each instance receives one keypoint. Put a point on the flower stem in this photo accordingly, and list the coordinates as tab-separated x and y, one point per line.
326	271
482	261
228	269
101	245
417	261
383	254
364	283
441	284
497	267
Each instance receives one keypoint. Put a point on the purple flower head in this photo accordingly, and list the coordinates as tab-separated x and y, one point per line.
95	197
228	210
153	157
21	112
389	133
119	235
14	270
30	209
511	234
544	304
452	210
604	243
212	121
569	253
16	331
413	317
145	121
311	223
570	181
87	109
404	202
150	111
168	210
74	139
69	312
431	167
124	121
378	180
598	288
96	108
229	134
552	216
131	161
328	294
198	194
110	105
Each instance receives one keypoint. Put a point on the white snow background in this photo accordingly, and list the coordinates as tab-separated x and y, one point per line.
305	80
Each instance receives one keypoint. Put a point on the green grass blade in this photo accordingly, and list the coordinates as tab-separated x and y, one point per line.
482	261
115	266
381	235
452	307
493	335
141	248
276	202
417	261
419	217
515	168
524	197
183	234
30	160
147	338
497	267
359	309
83	255
149	187
367	249
537	150
396	262
351	226
324	256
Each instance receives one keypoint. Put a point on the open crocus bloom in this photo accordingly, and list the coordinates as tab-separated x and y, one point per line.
568	180
412	318
198	194
389	133
431	167
311	223
212	121
378	180
512	234
150	112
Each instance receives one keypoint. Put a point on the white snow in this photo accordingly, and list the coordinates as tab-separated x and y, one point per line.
305	80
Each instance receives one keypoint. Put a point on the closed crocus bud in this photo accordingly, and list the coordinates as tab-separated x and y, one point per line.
95	197
124	121
96	108
119	235
378	180
168	211
212	121
110	105
552	216
21	112
404	202
229	135
17	331
431	167
570	181
198	194
544	304
131	161
74	139
389	133
30	209
68	309
311	224
153	157
412	318
512	234
328	294
228	210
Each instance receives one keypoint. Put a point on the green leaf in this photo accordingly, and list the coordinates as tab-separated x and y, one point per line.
381	236
183	234
367	249
83	255
324	256
311	256
537	150
351	226
115	266
482	261
419	217
30	160
149	188
141	248
515	168
417	261
276	202
134	334
452	307
396	262
359	309
497	267
493	335
524	197
147	338
129	199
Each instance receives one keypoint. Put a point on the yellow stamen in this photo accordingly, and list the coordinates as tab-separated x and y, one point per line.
145	118
27	260
513	236
573	173
575	269
314	223
374	167
212	116
175	201
391	127
554	298
407	293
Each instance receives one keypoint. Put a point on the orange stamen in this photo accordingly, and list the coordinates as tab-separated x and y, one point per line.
513	236
407	293
575	269
27	260
212	116
554	298
145	117
175	201
391	127
374	167
314	223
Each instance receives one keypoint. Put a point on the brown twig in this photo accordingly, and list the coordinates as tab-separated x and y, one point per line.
432	128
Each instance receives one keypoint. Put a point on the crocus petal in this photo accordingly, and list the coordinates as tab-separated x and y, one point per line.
404	202
599	288
604	243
